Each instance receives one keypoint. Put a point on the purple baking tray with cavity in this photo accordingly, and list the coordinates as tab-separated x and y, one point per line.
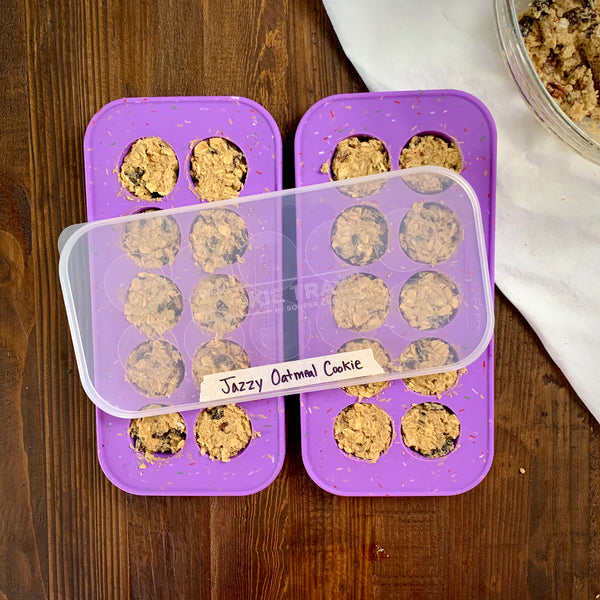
394	118
183	122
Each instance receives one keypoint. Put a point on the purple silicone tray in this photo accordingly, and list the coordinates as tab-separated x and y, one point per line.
182	122
394	118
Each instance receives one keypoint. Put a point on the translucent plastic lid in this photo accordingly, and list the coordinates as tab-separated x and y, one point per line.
345	283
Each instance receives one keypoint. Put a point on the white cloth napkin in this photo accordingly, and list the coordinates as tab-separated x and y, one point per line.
548	198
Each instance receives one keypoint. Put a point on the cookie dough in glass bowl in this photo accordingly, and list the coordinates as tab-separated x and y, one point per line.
582	136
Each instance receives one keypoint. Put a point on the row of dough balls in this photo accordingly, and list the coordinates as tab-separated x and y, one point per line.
217	167
428	300
429	233
365	430
361	429
357	156
218	238
221	432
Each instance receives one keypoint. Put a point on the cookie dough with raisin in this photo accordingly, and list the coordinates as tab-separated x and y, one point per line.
368	390
429	300
218	168
155	368
223	432
359	235
430	429
220	303
360	302
153	304
430	233
218	356
158	434
363	430
152	242
218	238
150	169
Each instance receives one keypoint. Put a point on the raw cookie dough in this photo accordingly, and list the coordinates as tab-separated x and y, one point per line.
425	353
430	429
367	390
218	168
429	300
222	432
358	156
218	356
359	235
152	242
360	302
150	169
433	385
218	238
430	233
562	38
156	368
363	430
220	303
160	434
153	304
423	150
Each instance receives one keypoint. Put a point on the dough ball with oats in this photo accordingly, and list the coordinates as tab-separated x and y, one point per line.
158	434
218	238
426	353
223	432
368	390
218	168
432	385
150	169
363	430
430	429
218	356
155	368
153	304
429	300
360	302
430	233
219	303
359	235
152	242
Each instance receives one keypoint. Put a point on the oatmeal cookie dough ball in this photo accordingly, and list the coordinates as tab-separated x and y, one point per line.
150	169
563	41
429	300
357	156
363	430
218	168
423	150
222	432
218	356
429	352
153	242
433	385
155	368
430	429
430	233
153	304
425	353
159	434
359	235
218	238
368	390
360	302
219	303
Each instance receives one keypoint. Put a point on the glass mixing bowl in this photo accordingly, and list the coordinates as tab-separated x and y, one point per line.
582	137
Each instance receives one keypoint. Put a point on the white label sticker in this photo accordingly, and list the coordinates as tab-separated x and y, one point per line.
286	376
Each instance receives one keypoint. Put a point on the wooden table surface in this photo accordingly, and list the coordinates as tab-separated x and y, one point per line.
66	532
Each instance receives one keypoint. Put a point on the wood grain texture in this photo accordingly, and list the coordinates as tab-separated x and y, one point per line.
66	532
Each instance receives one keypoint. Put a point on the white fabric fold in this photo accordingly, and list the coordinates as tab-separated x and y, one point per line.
548	198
